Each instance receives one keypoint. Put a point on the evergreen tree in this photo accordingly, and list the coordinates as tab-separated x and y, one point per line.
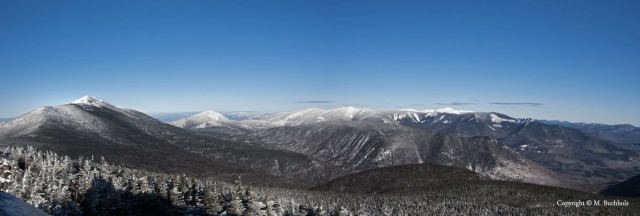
27	184
212	200
251	207
236	206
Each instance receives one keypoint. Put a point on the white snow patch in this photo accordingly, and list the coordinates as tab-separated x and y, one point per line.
509	170
383	155
90	101
496	119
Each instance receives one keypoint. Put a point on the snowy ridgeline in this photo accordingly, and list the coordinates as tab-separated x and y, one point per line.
314	115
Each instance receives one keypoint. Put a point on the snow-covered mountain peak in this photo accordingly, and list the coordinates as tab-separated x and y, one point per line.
347	113
204	119
209	115
450	110
91	101
349	110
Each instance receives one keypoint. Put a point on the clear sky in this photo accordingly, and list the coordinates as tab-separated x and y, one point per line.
567	60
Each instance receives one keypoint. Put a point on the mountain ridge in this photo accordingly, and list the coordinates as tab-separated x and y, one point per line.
619	133
132	138
519	134
327	143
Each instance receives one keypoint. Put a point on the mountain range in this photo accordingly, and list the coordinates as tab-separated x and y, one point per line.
91	127
363	138
308	147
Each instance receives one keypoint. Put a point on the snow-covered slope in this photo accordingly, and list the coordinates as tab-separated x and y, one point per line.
12	206
470	124
70	115
285	118
82	114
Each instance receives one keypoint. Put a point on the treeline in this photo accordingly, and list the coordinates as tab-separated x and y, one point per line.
85	186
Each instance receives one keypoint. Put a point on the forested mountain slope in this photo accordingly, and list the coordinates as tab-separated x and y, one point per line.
64	186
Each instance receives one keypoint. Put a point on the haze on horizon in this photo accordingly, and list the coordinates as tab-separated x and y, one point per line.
570	60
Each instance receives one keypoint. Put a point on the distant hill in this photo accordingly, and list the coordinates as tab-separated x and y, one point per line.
572	152
619	133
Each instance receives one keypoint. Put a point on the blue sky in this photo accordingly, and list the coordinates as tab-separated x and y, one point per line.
566	60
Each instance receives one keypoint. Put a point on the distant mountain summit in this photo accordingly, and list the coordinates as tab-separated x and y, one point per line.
91	101
202	120
86	114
